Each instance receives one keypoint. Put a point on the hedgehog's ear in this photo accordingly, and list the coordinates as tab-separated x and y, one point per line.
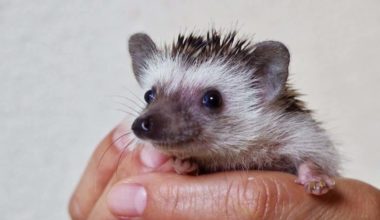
141	48
271	61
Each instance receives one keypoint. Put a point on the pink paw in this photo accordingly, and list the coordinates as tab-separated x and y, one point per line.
317	185
185	166
314	180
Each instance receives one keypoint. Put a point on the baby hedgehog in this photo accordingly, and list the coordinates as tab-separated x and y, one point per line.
218	103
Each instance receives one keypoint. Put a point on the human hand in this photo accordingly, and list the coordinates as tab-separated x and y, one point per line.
142	185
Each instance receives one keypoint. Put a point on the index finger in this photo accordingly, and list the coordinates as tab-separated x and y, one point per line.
100	168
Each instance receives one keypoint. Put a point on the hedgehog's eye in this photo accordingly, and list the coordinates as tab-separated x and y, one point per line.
212	99
149	96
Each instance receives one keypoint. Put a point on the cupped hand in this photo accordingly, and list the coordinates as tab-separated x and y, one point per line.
122	184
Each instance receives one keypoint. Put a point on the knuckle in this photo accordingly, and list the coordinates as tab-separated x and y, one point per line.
169	197
256	199
186	201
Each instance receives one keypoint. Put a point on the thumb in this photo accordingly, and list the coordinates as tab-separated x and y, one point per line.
230	195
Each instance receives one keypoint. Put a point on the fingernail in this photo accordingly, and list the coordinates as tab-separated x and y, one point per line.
151	157
128	200
120	136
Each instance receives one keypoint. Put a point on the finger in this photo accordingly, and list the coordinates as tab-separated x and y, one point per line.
98	172
234	195
143	159
105	161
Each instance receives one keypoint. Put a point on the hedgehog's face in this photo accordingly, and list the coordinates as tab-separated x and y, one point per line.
195	109
172	119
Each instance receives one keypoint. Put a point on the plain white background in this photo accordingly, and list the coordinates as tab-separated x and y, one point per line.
61	63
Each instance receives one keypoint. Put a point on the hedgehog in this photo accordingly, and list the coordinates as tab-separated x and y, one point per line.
217	103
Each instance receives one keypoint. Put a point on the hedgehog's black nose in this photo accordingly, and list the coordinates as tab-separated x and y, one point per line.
145	125
142	126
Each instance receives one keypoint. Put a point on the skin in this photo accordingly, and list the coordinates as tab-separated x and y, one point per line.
227	195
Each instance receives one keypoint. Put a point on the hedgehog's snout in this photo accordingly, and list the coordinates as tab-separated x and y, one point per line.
147	126
165	122
142	125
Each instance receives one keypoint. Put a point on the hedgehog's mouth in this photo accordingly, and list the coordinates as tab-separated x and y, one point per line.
169	145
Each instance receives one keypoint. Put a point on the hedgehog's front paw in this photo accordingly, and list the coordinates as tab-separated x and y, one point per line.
313	179
317	185
185	166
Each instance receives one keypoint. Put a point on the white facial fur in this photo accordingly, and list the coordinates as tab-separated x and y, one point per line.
234	83
245	132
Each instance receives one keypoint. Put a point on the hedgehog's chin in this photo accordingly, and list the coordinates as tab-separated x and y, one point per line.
170	145
174	148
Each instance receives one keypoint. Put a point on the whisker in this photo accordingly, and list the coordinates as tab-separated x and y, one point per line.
135	95
131	100
129	113
109	146
129	107
123	152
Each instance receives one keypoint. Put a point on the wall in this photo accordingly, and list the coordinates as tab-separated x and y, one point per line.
62	63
